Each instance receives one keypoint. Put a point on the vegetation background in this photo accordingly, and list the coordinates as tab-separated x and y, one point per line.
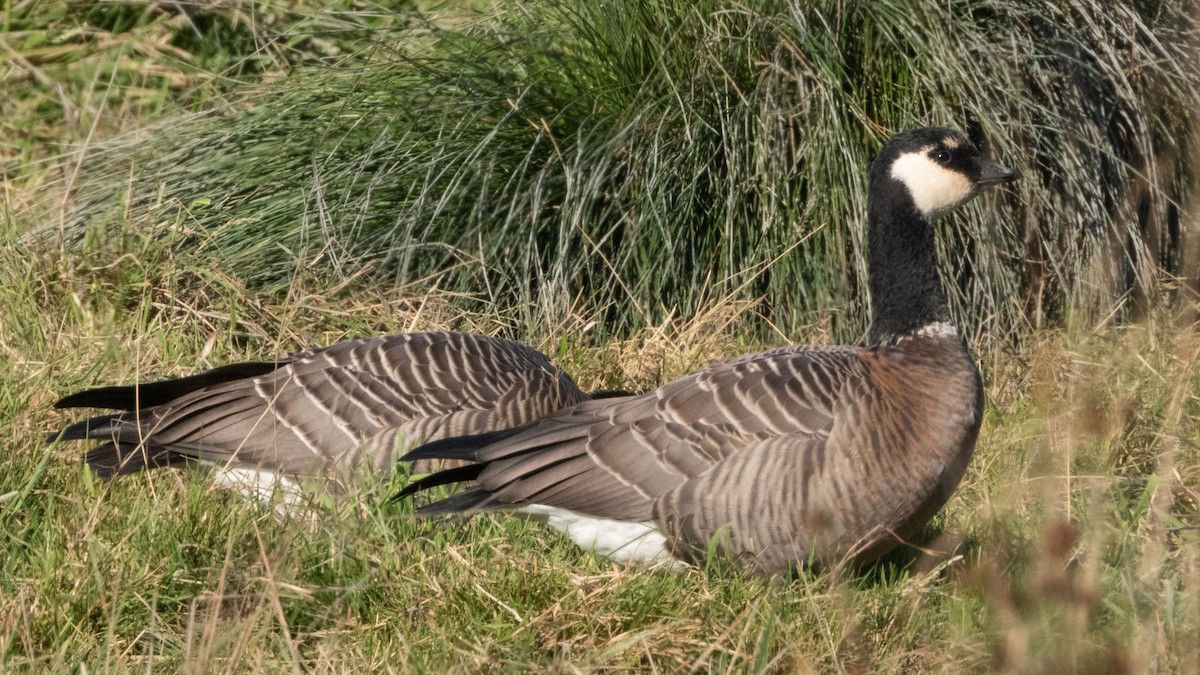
639	189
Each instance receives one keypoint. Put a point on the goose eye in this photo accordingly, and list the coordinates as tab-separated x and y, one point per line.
941	156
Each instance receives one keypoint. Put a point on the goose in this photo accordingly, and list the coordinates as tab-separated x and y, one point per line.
794	457
355	404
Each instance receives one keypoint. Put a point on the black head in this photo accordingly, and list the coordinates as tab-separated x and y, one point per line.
939	168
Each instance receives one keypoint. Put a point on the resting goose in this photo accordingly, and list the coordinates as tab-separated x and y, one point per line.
358	403
798	455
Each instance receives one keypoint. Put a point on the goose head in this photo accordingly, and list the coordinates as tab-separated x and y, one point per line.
939	169
917	176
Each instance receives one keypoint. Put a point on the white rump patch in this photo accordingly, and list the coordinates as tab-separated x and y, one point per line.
285	494
934	188
621	541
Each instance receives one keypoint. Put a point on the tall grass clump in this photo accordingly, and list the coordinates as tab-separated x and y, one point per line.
77	72
638	158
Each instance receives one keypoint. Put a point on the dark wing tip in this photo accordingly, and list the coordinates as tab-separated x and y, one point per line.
110	459
150	394
459	447
446	477
85	429
100	397
474	499
105	460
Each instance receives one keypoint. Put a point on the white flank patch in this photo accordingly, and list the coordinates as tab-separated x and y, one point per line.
934	188
621	541
271	489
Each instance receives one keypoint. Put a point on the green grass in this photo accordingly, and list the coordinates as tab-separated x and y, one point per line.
1070	547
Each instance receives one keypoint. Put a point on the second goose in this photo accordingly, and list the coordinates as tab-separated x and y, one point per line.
322	412
792	456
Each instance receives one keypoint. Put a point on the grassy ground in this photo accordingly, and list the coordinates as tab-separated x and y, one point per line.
1071	546
1072	543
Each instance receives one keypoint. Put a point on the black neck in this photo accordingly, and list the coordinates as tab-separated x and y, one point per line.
901	264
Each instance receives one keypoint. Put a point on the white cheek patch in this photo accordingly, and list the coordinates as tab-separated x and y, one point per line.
933	187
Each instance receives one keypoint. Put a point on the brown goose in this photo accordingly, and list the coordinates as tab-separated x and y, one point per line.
341	407
796	455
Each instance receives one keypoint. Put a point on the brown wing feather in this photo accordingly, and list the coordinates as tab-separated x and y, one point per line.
355	401
619	457
897	445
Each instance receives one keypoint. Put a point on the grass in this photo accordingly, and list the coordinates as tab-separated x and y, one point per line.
595	134
1071	545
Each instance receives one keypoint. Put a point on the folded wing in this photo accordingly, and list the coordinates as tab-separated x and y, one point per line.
355	402
682	455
